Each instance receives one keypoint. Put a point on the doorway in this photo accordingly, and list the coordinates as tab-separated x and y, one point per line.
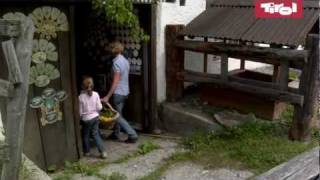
92	34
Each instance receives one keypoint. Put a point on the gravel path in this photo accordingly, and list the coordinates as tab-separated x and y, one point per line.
189	171
143	165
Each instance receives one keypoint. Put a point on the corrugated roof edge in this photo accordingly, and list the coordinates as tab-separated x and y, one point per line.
250	3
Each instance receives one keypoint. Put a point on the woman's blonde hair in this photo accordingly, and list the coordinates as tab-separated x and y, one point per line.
116	48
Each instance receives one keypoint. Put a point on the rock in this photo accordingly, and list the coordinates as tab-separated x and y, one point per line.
230	119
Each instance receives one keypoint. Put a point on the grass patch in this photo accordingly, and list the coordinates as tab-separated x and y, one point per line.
293	75
92	169
85	169
143	149
256	145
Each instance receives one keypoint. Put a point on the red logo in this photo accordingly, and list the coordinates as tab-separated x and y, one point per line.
279	9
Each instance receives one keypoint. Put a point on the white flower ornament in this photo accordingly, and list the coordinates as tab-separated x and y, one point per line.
44	51
42	73
48	21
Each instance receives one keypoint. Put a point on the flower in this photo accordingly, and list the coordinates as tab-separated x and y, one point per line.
48	21
41	74
43	51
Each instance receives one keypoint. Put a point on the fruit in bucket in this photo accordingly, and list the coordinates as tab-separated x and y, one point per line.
107	114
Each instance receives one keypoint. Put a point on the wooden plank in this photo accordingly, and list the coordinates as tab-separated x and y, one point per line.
153	95
174	63
304	166
303	116
224	67
269	93
284	75
146	99
71	151
10	56
205	59
33	146
16	106
242	64
73	62
250	53
5	88
275	73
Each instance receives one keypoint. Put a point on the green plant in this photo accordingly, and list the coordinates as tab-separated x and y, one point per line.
293	75
122	13
257	145
85	169
147	147
143	149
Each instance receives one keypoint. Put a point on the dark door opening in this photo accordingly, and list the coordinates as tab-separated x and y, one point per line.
92	35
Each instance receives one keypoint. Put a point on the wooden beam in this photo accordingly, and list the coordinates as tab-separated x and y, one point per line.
5	88
10	56
10	28
153	95
224	67
303	116
205	59
304	166
242	64
284	75
250	53
240	85
16	106
174	63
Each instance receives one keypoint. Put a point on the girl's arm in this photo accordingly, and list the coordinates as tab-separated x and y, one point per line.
98	104
80	107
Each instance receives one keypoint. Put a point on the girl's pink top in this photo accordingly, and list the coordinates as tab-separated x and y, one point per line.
90	106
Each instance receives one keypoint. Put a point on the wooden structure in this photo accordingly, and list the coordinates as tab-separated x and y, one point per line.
17	50
304	166
60	141
218	23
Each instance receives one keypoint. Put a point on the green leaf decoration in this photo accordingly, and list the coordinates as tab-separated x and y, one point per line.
41	74
43	51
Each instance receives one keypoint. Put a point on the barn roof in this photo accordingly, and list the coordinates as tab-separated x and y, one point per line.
71	1
235	20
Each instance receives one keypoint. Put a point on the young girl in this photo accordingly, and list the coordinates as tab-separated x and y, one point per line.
90	106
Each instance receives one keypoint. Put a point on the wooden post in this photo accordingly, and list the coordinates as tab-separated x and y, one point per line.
205	59
174	63
275	73
284	75
242	64
303	115
224	67
16	106
153	93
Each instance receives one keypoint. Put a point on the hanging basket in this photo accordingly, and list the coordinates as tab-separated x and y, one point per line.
108	116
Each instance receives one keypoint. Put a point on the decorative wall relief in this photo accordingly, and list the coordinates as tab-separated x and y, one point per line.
43	51
18	16
41	74
49	104
48	21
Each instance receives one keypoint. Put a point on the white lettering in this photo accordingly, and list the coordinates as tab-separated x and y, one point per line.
273	8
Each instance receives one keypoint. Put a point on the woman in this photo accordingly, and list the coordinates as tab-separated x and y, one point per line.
119	92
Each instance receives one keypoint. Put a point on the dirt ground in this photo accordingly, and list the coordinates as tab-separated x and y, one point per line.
140	166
